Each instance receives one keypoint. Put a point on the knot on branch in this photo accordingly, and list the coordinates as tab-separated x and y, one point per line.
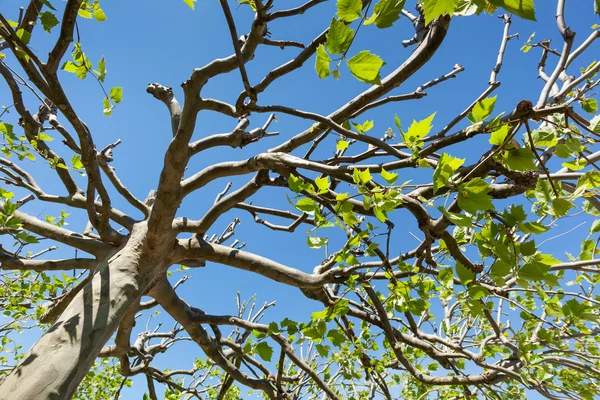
160	92
523	110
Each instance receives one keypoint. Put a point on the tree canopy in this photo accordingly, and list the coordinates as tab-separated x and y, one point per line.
448	250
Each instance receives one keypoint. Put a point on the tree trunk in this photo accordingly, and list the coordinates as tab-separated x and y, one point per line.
60	359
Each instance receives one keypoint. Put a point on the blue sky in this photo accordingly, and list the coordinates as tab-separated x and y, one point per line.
163	41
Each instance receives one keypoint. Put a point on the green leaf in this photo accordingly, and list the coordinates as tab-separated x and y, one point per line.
264	351
322	184
447	166
473	196
48	20
385	13
83	13
389	177
315	242
365	67
477	292
336	337
342	145
190	3
590	179
339	37
533	227
417	131
482	109
116	94
79	70
101	69
76	162
322	62
520	159
365	127
436	8
457	219
522	8
306	205
24	35
561	207
349	10
595	123
499	135
589	105
544	137
446	277
361	177
99	15
465	275
45	137
107	110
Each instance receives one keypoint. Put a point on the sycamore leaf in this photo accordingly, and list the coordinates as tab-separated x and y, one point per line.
361	177
385	13
522	8
76	161
349	10
520	159
390	177
116	94
190	3
342	145
499	135
99	15
365	67
315	242
264	351
465	275
589	105
48	20
322	184
101	69
436	8
417	131
339	37
482	109
457	219
595	122
322	62
447	166
473	196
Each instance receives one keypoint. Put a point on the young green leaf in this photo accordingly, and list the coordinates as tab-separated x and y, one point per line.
190	3
385	13
482	109
116	94
447	166
473	196
349	10
499	135
76	162
264	351
389	177
48	20
365	67
520	159
522	8
339	37
322	62
433	9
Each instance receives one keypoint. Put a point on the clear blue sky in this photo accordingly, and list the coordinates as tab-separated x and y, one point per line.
163	41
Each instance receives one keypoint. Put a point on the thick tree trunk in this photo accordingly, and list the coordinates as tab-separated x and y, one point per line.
56	364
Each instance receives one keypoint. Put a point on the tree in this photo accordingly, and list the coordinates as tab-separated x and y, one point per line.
479	308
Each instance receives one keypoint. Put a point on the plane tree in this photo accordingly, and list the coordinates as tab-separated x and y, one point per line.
478	308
